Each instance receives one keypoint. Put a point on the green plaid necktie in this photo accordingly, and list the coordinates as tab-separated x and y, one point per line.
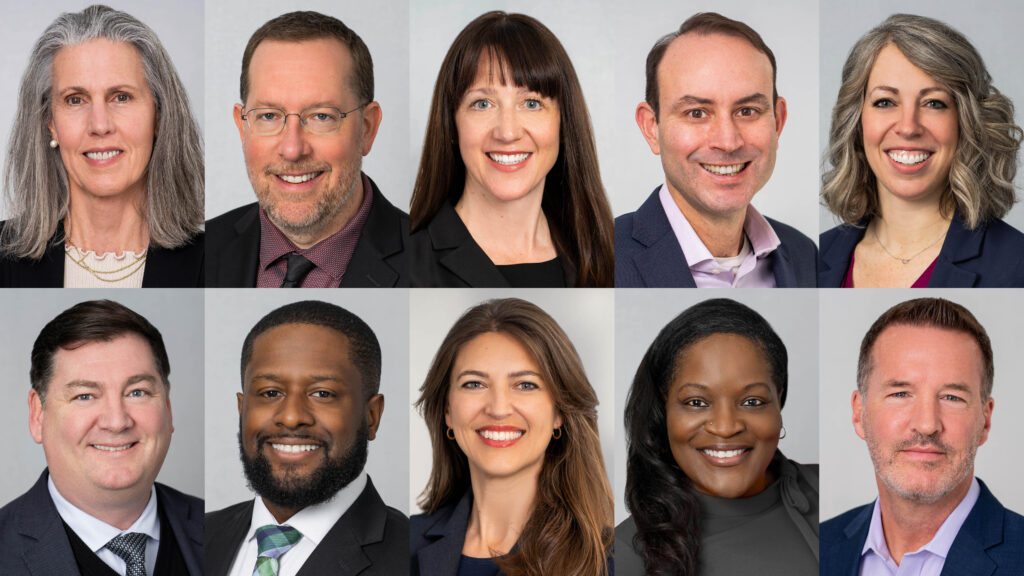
131	547
273	542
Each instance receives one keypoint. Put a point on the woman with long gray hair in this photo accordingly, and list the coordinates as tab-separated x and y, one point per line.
921	160
104	180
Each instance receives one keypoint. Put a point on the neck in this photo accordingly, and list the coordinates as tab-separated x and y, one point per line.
509	232
721	234
909	525
907	224
349	207
501	508
280	513
119	512
106	224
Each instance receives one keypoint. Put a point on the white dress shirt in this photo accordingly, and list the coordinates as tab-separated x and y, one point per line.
96	533
313	522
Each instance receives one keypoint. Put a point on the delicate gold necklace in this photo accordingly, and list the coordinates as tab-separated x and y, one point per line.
909	258
104	275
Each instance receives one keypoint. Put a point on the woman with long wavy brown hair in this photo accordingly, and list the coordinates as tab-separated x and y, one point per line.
518	483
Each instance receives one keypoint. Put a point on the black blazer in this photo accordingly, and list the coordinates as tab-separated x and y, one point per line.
989	542
648	255
444	255
991	256
379	260
35	544
436	540
176	268
370	538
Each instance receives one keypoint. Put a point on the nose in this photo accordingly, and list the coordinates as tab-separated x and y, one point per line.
725	134
508	127
293	412
294	145
115	417
498	403
909	124
100	122
723	422
926	417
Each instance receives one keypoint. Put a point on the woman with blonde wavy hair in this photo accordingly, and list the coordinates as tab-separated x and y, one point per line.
518	483
921	160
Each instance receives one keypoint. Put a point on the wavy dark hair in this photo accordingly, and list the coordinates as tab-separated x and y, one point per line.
659	495
569	532
526	54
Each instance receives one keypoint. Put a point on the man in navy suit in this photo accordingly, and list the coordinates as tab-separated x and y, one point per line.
713	114
923	405
99	405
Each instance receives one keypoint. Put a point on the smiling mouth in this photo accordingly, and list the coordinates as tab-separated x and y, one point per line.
298	178
508	159
502	435
723	454
118	448
725	169
907	157
107	155
295	448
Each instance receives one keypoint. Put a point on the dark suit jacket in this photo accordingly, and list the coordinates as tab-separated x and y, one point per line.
34	542
992	256
444	255
990	542
370	538
379	260
648	255
177	268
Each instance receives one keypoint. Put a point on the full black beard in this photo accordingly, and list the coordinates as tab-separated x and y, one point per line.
298	492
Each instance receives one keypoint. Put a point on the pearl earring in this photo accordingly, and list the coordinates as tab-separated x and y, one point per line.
53	144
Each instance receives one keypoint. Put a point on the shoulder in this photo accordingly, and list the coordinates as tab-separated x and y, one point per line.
222	227
178	499
419	524
1003	244
219	519
794	240
628	562
834	529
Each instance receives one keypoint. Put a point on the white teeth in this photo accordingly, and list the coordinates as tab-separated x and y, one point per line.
298	179
508	159
724	170
112	448
102	155
295	447
909	158
723	453
501	436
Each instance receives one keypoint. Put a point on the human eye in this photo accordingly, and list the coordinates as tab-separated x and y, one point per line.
696	403
900	394
122	97
753	403
883	103
270	394
472	385
138	393
74	100
527	385
267	115
480	104
533	104
322	394
952	398
748	112
936	104
83	397
321	116
697	114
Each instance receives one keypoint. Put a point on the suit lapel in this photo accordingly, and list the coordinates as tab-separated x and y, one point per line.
981	530
961	245
442	556
182	267
382	236
662	262
46	550
467	260
834	260
782	268
341	551
856	532
237	261
223	544
187	528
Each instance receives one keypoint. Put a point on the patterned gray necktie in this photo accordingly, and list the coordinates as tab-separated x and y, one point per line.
131	547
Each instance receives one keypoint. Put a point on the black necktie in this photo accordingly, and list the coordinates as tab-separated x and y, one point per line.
131	547
298	267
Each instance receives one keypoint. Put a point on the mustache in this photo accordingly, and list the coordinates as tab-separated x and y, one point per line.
295	168
923	441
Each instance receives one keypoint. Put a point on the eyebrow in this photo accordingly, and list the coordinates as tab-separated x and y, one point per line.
922	92
691	100
958	386
94	385
118	88
704	387
481	374
276	378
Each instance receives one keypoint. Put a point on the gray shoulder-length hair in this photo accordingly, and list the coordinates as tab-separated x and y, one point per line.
985	162
36	182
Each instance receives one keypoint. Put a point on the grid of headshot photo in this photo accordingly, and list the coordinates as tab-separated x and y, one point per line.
544	288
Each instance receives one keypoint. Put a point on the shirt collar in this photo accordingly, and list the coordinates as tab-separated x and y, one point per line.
95	532
313	522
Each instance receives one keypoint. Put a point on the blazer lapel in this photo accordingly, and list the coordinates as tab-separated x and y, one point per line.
187	528
856	533
467	260
237	261
834	259
782	268
46	550
662	262
222	545
961	245
382	236
182	267
441	558
982	530
341	551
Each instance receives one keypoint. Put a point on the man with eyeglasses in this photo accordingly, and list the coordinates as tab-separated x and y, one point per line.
306	119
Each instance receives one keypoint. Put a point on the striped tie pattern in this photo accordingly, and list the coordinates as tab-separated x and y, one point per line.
131	547
273	542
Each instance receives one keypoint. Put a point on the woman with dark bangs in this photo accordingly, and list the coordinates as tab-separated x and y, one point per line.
508	191
709	492
518	485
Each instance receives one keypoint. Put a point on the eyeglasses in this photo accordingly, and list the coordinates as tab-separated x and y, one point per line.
317	120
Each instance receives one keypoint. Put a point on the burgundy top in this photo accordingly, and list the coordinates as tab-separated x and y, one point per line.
331	255
921	282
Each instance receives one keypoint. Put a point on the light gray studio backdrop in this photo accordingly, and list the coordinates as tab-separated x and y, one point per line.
383	26
230	314
640	314
175	23
177	314
586	316
993	28
847	476
608	42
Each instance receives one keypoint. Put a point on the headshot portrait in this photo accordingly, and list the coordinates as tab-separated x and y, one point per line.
716	452
105	479
305	115
302	429
717	135
917	419
103	168
919	191
509	468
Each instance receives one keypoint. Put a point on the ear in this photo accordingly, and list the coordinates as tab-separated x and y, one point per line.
170	414
447	416
374	410
372	115
239	122
558	420
35	416
240	397
857	404
780	116
988	420
648	124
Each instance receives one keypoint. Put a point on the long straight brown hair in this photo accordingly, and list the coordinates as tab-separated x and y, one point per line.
570	529
526	54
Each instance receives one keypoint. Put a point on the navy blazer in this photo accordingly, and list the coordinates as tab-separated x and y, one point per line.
379	259
991	256
369	539
175	268
34	542
648	255
990	542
